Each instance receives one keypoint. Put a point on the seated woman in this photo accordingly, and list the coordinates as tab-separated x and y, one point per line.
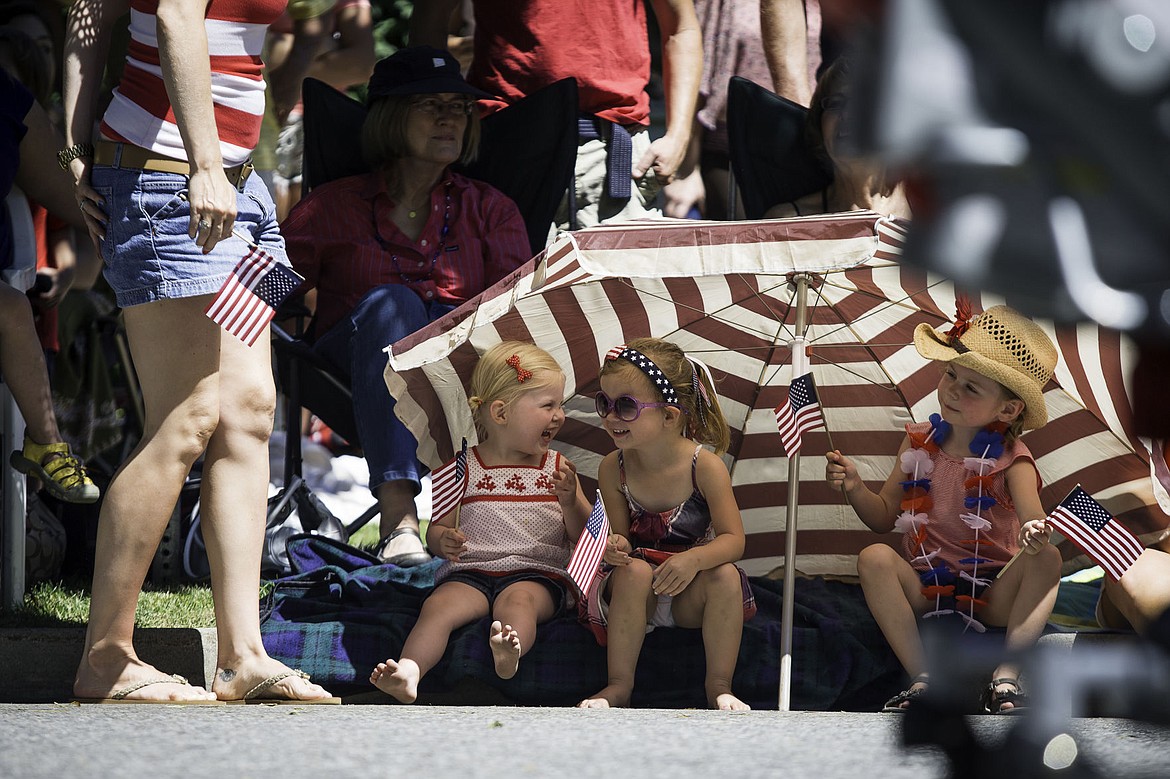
396	248
858	182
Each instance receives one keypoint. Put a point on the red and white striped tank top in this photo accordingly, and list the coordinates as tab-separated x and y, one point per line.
141	112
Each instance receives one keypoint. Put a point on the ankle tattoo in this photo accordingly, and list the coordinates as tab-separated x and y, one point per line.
227	674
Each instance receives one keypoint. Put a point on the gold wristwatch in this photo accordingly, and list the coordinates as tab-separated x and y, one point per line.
66	156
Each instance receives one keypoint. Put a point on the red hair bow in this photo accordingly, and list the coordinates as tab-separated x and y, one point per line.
522	375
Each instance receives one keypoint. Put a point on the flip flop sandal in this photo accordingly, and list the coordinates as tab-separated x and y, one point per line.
256	695
120	695
406	559
908	696
63	476
993	701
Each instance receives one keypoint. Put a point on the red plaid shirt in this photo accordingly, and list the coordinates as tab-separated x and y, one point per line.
332	243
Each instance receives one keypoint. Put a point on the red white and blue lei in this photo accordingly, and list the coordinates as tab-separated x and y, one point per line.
939	582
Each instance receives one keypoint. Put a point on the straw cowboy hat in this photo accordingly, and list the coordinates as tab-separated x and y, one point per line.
1002	344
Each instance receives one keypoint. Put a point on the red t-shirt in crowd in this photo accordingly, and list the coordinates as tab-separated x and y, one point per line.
523	46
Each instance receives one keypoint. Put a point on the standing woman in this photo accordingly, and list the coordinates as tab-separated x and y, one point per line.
163	181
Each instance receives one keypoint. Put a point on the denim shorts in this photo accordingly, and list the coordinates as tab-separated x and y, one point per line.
491	586
148	254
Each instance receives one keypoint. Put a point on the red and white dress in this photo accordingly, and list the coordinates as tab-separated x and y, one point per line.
512	520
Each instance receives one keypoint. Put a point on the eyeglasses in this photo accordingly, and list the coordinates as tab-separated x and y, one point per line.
836	102
435	107
626	408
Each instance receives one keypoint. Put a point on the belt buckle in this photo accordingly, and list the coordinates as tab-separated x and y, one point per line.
246	169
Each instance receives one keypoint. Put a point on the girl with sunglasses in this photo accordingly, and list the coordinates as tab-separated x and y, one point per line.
506	545
670	560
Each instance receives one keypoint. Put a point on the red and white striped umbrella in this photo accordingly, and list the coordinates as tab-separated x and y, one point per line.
724	292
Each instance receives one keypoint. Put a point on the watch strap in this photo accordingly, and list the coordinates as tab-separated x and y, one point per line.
66	156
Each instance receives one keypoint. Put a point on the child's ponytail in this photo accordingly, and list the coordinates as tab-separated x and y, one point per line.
707	423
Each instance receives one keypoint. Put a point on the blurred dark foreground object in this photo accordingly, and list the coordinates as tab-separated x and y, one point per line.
1035	138
1110	679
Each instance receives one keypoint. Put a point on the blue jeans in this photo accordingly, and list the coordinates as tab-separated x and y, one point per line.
355	345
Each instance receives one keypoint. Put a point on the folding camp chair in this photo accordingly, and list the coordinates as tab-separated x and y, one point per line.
770	161
307	380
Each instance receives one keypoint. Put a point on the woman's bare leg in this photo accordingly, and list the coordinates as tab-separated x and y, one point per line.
397	510
176	354
1143	592
233	502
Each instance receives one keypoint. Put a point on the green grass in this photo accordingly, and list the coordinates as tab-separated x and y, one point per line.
59	604
367	536
66	604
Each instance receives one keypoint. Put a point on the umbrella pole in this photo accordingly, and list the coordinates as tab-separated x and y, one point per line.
799	368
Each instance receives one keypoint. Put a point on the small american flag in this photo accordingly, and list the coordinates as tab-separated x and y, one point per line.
800	413
448	484
249	298
1086	523
590	548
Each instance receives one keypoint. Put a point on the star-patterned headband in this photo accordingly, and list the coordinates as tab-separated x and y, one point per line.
647	366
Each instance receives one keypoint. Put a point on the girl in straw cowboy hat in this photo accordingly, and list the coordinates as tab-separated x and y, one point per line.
965	494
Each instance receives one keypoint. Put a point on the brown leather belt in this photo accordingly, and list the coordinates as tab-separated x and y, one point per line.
107	153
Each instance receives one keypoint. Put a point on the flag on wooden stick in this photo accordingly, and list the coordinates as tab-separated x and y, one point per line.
248	300
799	414
449	484
1087	524
590	548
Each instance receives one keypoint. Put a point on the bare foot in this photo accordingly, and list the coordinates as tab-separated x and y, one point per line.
728	702
94	682
397	679
234	680
610	697
505	644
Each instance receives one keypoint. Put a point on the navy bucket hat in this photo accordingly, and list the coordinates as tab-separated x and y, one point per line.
419	70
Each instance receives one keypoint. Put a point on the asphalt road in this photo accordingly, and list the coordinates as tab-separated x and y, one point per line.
433	742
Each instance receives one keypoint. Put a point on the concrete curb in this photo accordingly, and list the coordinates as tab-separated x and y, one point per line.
1087	641
39	663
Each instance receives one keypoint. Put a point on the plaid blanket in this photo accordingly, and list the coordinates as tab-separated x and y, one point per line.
341	612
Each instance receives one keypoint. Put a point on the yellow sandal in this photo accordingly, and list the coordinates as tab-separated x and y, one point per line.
61	471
